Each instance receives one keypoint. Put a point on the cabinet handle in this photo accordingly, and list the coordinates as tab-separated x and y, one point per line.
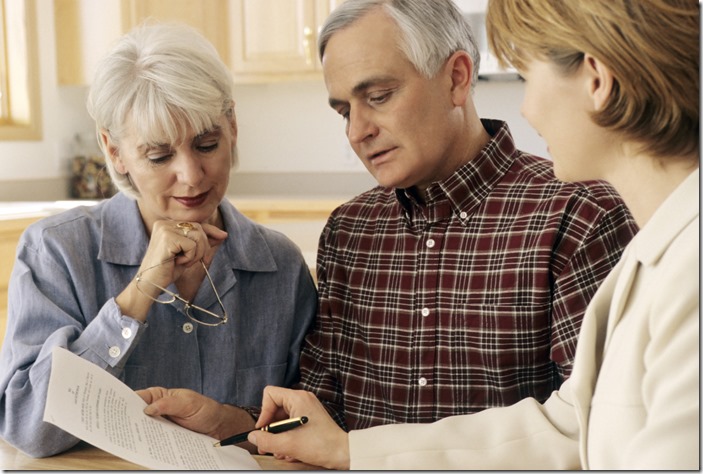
307	40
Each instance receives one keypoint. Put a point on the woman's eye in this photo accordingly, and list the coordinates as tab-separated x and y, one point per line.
208	147
158	159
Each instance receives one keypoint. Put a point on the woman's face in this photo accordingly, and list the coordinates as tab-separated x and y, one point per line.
178	181
558	107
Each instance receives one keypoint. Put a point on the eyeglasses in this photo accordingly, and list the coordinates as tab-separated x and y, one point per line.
194	312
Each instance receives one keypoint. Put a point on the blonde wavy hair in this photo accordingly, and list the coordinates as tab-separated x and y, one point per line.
651	47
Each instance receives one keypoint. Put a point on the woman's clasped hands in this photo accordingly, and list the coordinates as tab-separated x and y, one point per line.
175	252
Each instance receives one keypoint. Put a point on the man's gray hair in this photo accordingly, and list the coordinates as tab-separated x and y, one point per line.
431	30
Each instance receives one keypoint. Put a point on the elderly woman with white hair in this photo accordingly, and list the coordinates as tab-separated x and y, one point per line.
165	284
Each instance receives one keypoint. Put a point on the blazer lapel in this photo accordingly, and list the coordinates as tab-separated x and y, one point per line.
603	312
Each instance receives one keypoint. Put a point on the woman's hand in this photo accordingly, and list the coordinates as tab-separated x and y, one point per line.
320	442
174	248
196	412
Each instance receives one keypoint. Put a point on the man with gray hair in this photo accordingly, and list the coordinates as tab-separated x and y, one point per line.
460	282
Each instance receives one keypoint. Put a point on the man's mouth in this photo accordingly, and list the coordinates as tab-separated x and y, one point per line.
378	154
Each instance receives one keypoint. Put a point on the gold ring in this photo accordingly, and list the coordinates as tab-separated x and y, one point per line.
185	227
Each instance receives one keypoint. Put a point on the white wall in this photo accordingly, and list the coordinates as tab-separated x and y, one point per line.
284	128
290	127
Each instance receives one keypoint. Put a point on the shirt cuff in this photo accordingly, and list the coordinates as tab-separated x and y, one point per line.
254	412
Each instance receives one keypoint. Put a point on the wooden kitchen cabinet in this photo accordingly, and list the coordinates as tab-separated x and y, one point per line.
276	40
208	16
86	29
10	232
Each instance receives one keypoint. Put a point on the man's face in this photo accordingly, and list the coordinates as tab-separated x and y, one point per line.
399	123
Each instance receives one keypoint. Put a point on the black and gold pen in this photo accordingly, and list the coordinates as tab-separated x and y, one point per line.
277	427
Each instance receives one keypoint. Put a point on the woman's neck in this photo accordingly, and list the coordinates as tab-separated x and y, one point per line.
644	182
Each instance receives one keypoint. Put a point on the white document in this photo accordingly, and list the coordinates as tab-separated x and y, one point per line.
98	408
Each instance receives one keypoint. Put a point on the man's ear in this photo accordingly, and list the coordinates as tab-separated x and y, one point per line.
112	151
600	81
460	68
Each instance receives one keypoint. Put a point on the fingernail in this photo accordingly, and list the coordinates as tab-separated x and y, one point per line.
150	410
252	437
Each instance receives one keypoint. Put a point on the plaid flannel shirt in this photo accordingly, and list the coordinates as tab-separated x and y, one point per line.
471	300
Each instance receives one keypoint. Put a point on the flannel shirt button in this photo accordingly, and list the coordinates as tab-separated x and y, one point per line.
425	312
422	381
430	243
463	215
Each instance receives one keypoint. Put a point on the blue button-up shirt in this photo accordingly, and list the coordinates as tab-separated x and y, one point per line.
70	267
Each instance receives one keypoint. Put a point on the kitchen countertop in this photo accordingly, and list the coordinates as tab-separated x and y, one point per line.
26	209
301	220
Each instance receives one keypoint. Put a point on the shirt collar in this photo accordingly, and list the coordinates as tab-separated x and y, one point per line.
469	185
124	240
674	214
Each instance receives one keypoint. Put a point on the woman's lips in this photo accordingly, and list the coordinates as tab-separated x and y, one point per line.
194	201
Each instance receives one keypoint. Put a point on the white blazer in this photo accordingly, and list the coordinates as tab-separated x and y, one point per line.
632	401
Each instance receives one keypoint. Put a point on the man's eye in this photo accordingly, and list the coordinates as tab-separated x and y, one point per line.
379	98
344	114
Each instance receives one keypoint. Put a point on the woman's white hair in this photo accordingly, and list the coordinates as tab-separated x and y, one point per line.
164	78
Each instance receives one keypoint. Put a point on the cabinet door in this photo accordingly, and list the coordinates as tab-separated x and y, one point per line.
86	29
208	16
277	39
273	36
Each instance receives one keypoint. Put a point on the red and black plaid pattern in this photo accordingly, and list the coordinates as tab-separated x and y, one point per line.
470	300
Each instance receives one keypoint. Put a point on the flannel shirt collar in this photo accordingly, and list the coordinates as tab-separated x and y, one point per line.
463	191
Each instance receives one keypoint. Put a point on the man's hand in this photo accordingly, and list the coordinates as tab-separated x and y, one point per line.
320	442
196	412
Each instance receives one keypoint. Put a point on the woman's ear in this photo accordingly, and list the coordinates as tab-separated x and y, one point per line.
460	68
601	81
233	123
112	151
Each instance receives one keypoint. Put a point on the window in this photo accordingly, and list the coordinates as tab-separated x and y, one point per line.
19	71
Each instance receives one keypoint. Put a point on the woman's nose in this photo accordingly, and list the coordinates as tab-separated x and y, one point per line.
190	168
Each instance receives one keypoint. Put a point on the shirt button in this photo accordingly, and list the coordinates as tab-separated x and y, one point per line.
430	243
188	328
463	215
425	312
126	333
115	351
422	381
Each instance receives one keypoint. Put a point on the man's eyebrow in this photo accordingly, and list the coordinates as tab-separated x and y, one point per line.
360	88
